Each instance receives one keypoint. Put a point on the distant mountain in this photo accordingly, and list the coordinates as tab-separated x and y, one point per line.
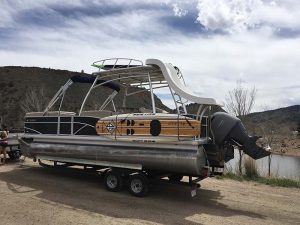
282	120
278	127
281	116
16	82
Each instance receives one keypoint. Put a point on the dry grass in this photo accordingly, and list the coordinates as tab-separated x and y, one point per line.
251	173
272	181
250	167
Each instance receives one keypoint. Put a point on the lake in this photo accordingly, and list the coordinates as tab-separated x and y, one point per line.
281	165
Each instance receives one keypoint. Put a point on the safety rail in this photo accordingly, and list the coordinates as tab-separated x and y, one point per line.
116	63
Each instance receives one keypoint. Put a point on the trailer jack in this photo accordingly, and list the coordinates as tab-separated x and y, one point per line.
194	185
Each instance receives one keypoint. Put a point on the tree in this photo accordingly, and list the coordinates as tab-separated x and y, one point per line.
35	100
239	102
268	132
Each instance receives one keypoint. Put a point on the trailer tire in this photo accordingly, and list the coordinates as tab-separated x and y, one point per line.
113	181
138	185
175	178
14	155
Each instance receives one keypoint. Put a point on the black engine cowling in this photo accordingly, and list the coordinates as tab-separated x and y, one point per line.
227	128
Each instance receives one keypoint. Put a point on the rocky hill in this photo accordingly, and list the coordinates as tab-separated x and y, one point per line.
285	119
17	83
278	127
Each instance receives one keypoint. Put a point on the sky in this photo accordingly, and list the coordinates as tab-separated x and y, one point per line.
214	43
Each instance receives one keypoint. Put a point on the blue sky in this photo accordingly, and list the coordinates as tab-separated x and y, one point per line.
215	43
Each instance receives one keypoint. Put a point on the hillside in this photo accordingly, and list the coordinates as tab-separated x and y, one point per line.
284	120
17	82
276	126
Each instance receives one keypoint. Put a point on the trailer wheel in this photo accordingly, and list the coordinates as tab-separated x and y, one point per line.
138	185
14	155
175	178
113	181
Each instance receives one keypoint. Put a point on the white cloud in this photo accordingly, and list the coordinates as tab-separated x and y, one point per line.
228	15
179	11
239	15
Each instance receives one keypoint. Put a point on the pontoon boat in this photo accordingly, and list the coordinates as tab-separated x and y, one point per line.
141	144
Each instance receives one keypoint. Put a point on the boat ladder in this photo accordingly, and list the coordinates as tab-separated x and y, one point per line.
179	101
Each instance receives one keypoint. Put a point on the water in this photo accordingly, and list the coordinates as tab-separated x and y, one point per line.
281	166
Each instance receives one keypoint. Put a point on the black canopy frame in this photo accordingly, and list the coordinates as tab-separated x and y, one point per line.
90	79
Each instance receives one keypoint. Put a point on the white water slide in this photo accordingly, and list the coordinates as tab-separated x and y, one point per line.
171	76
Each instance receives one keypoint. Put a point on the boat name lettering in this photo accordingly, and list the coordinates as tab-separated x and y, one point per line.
145	141
143	114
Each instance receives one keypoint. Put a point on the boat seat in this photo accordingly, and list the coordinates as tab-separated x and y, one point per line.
52	113
158	110
144	110
96	113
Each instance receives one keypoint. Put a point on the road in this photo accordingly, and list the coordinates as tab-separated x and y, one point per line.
31	194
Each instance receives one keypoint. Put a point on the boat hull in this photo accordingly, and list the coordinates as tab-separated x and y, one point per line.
186	158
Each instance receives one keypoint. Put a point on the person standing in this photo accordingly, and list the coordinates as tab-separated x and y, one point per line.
3	144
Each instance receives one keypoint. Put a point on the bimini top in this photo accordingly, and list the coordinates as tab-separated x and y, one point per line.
157	73
89	79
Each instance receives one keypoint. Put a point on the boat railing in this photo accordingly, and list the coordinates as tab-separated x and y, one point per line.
116	63
205	127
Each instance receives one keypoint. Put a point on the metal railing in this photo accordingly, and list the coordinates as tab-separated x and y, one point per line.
116	63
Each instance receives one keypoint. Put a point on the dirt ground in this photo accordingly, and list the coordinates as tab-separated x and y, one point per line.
30	194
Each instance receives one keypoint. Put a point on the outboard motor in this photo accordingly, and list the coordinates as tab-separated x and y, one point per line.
227	128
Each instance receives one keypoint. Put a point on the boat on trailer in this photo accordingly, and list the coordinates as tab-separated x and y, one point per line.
142	144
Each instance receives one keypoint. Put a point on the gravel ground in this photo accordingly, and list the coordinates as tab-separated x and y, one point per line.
31	194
